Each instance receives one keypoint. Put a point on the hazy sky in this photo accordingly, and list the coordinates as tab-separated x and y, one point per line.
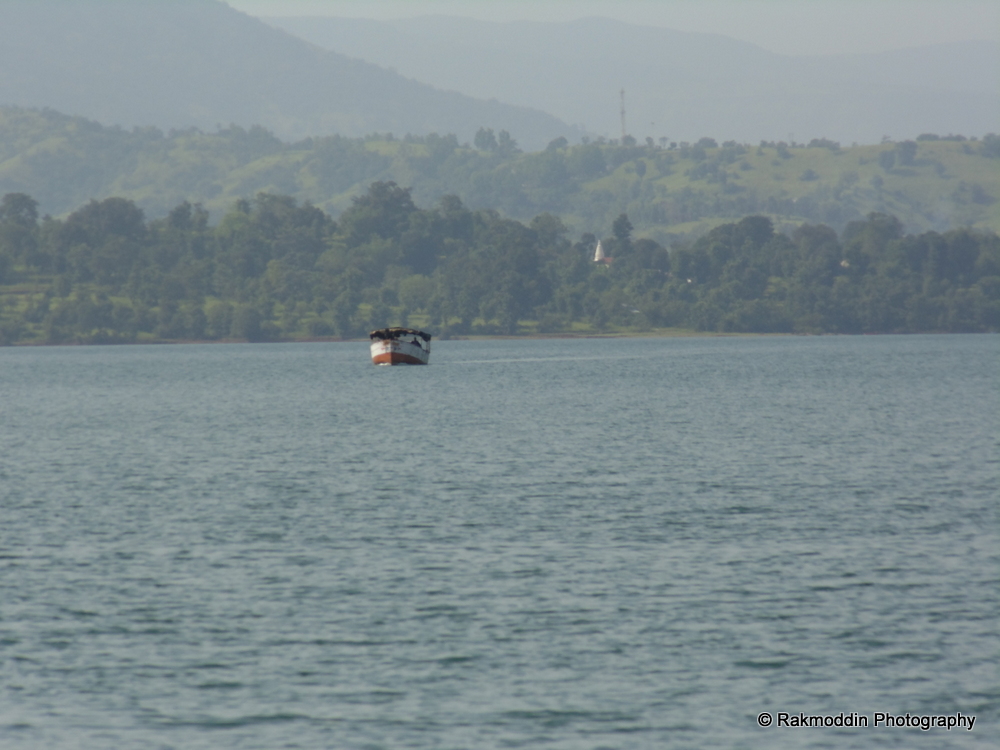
784	26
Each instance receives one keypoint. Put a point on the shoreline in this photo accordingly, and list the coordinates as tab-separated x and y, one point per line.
666	333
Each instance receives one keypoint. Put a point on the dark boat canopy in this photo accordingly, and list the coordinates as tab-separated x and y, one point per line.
394	333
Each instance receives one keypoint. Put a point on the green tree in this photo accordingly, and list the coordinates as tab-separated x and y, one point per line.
622	228
384	211
485	140
906	153
416	292
102	240
247	324
19	228
506	146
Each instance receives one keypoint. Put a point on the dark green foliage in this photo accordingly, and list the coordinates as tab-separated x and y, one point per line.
383	212
622	229
991	145
743	277
277	269
824	143
18	230
485	140
906	153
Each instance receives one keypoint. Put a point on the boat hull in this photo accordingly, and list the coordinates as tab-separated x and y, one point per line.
396	352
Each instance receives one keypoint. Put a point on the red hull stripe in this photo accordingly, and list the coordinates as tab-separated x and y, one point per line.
395	358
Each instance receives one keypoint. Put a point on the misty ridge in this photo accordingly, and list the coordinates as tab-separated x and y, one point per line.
681	85
200	63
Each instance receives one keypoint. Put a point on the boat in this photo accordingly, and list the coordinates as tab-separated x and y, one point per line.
400	346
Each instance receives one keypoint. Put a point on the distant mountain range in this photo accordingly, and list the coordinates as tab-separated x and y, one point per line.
176	64
679	85
199	63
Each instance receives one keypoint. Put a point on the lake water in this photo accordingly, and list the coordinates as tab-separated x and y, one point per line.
565	544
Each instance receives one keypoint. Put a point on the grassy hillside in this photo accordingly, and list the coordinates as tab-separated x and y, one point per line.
668	190
929	184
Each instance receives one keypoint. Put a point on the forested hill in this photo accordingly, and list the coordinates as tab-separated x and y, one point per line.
669	190
274	269
184	63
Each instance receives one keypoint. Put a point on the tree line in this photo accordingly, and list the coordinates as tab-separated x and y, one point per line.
276	269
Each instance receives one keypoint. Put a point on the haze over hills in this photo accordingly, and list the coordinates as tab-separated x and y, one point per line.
199	63
681	85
